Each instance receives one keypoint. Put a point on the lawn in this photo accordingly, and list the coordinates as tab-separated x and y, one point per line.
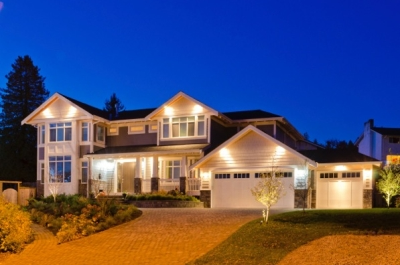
268	244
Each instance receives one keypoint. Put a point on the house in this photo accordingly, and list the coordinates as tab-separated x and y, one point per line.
186	145
381	143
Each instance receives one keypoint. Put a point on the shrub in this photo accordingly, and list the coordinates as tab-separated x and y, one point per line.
15	227
172	195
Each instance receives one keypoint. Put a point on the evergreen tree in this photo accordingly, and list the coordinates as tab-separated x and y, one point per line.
113	106
25	92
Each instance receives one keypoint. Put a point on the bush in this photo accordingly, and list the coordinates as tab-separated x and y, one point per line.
72	217
158	196
15	227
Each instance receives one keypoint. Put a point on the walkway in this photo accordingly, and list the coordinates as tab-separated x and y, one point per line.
159	236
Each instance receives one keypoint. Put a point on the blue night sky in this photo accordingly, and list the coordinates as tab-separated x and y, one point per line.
326	66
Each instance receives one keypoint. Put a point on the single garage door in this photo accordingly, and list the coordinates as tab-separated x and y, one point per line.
233	190
340	193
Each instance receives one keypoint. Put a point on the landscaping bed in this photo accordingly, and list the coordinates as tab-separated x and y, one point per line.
171	199
167	204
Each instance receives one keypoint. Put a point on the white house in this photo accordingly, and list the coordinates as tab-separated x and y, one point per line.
187	145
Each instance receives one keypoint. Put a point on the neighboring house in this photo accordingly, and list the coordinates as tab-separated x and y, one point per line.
186	145
379	142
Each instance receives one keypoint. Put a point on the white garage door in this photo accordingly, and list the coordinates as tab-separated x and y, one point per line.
340	193
233	190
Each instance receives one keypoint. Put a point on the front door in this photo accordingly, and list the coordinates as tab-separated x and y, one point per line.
126	175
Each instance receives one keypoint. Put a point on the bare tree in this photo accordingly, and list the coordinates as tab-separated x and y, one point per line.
54	182
269	189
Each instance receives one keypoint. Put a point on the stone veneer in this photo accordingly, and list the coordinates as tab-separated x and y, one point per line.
182	185
83	188
205	196
155	184
137	185
367	199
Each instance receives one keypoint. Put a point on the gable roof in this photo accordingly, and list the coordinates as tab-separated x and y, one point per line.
387	131
242	133
88	108
178	96
337	156
250	115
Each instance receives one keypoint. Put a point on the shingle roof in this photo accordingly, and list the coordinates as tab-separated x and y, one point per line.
250	114
336	156
387	131
149	149
134	114
88	108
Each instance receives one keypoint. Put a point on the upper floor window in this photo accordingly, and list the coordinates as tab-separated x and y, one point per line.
190	126
85	131
60	132
100	133
42	134
394	140
85	171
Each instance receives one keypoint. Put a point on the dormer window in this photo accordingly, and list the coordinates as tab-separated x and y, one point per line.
183	127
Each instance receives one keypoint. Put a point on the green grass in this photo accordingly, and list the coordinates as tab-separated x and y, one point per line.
268	244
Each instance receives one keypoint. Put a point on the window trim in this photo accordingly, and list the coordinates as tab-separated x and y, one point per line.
110	132
97	134
65	161
56	126
141	131
169	125
88	132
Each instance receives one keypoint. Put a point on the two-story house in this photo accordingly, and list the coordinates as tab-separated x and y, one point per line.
381	143
186	145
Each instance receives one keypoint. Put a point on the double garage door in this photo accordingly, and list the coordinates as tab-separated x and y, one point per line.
340	193
233	190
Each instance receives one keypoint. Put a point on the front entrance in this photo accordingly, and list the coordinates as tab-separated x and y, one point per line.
126	175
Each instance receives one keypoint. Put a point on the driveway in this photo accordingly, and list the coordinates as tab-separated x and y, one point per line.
159	236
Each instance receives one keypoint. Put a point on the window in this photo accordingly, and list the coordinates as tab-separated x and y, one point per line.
153	128
328	175
41	173
223	176
60	169
351	174
394	140
100	133
173	169
113	130
85	171
85	131
60	132
42	134
136	129
241	175
191	126
278	174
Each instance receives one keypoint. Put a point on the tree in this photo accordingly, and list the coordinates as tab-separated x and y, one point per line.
113	106
343	145
389	183
25	92
269	189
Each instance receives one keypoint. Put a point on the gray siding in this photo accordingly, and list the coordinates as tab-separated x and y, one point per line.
125	139
193	141
268	129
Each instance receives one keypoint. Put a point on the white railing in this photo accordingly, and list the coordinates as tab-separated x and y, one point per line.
169	184
146	185
193	184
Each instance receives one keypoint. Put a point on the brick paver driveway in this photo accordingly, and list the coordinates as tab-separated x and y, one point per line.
159	236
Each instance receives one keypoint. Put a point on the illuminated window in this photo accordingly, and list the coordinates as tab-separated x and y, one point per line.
173	169
153	128
59	169
113	131
42	139
136	129
191	126
60	132
278	174
223	176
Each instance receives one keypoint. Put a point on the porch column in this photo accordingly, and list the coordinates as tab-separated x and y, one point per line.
138	178
155	179
182	178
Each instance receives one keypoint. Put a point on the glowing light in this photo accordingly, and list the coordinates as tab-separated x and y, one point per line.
280	150
367	174
47	113
224	152
340	168
169	110
197	109
205	175
71	112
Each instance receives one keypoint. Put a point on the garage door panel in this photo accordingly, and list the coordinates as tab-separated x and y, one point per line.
236	193
340	194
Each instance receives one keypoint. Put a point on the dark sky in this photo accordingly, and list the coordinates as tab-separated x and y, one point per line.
326	66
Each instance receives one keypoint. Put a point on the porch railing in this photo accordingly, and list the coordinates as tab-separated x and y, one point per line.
169	184
193	184
146	185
